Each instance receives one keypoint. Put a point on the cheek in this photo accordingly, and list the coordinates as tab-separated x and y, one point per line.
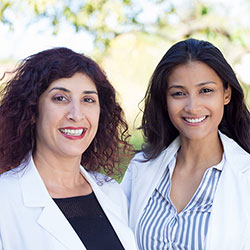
48	120
94	117
173	111
97	119
220	112
173	108
216	106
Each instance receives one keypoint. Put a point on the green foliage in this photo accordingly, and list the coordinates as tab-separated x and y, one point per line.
4	5
137	140
105	19
204	10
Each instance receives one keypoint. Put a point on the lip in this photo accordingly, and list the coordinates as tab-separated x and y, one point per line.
194	121
73	137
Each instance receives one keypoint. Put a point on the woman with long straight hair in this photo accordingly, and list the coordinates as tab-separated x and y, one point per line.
189	187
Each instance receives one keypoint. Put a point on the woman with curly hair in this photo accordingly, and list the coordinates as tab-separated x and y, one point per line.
60	125
189	188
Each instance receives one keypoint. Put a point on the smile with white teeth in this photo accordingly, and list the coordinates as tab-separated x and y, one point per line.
72	132
196	120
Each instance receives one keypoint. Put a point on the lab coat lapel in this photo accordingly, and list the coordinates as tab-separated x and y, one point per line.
228	209
153	173
231	202
51	218
114	212
106	203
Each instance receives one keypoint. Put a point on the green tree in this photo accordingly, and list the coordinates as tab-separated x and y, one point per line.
103	19
171	20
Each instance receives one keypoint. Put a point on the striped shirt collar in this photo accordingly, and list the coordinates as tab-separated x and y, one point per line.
172	162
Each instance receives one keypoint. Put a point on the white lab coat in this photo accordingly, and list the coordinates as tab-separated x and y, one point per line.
229	226
30	219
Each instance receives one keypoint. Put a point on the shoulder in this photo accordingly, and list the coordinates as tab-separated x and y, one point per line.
9	179
140	161
12	177
235	155
102	180
234	151
10	192
137	165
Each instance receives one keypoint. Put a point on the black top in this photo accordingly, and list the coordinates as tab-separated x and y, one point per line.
86	216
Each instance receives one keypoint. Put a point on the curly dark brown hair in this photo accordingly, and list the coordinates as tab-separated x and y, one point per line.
19	110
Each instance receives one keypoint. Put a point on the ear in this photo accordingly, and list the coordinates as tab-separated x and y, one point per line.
227	95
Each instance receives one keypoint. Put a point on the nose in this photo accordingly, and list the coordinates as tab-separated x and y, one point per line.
75	113
192	105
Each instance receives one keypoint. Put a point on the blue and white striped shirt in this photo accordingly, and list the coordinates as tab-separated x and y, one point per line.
161	227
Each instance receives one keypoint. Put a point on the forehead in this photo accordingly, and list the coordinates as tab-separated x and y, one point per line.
77	82
192	73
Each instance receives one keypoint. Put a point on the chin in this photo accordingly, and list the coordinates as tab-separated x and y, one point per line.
193	134
72	153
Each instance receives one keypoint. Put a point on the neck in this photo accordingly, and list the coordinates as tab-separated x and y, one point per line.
58	170
200	154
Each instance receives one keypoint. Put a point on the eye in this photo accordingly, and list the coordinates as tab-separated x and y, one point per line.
88	100
178	93
60	98
206	90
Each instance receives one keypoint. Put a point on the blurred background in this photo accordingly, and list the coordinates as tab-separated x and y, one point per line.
126	37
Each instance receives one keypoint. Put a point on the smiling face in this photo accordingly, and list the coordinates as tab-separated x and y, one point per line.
68	117
195	100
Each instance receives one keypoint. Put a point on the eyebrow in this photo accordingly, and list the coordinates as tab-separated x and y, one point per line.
197	85
68	91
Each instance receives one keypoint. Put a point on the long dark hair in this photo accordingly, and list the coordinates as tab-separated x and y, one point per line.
158	130
19	110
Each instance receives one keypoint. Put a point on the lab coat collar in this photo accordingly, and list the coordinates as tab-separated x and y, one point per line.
231	200
51	218
233	152
231	148
112	210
